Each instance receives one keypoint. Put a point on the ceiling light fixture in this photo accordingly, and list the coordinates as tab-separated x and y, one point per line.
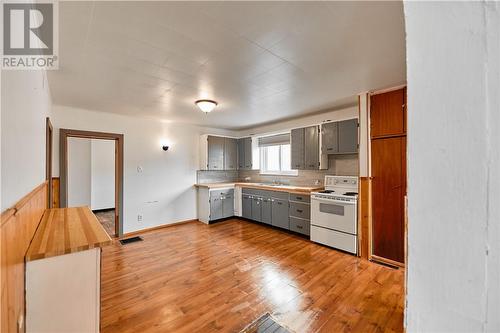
206	105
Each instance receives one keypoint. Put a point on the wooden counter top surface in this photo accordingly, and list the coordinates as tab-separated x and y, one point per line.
279	188
67	230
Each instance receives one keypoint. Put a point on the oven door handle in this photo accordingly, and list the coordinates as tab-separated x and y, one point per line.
334	201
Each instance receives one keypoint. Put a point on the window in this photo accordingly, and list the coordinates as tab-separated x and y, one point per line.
275	160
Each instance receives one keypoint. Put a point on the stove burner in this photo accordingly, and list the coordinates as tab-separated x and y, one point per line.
351	193
326	191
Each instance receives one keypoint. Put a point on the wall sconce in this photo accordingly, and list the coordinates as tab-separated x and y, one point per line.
164	147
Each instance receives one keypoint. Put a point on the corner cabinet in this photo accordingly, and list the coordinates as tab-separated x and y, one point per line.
219	153
215	204
305	149
340	137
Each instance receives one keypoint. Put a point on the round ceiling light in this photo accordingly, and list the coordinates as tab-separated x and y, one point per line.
206	105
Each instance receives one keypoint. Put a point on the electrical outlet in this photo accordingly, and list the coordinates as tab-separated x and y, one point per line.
139	218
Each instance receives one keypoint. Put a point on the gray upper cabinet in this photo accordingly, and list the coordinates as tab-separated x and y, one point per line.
340	137
215	153
245	154
230	154
348	136
247	142
297	148
329	138
311	143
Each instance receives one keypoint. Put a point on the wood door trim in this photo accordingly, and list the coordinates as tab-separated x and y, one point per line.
49	136
386	90
64	134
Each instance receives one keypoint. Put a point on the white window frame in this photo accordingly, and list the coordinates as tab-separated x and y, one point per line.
263	162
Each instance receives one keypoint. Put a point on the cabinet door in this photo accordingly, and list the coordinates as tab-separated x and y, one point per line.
228	206
215	153
246	209
348	136
280	213
241	154
388	190
266	211
297	148
215	207
248	153
230	154
388	113
329	138
257	209
311	143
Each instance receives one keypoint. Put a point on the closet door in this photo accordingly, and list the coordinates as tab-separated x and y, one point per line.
388	191
388	113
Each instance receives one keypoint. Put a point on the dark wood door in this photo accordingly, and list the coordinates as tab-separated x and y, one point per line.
388	191
388	113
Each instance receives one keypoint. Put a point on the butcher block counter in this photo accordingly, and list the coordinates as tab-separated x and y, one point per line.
67	230
263	186
63	272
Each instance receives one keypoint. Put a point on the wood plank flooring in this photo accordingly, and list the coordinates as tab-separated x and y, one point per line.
221	277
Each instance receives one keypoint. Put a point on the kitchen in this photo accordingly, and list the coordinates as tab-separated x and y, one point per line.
291	166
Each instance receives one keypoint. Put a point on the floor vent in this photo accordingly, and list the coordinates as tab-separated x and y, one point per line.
265	324
130	240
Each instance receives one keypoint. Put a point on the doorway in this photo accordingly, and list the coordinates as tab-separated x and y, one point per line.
91	174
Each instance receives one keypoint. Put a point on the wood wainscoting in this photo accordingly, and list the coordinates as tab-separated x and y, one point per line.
55	192
18	225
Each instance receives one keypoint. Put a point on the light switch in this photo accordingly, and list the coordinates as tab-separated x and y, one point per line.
140	169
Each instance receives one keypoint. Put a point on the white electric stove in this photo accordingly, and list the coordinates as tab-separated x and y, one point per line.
334	213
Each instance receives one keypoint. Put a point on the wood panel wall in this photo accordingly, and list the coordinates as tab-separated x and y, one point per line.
18	225
55	192
363	217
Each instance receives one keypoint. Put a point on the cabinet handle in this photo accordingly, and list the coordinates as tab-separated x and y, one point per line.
329	148
299	210
280	203
299	227
298	198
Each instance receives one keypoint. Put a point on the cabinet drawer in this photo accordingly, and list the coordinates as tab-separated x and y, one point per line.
300	226
300	197
227	192
279	195
300	210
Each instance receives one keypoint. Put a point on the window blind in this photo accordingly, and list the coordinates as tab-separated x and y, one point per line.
274	140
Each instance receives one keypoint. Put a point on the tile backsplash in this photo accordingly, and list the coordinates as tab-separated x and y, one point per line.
342	165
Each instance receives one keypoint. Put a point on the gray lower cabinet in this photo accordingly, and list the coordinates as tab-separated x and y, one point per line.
300	225
311	146
257	209
230	154
348	136
297	148
266	210
246	206
280	213
221	204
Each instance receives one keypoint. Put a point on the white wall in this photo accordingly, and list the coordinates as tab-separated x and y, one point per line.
25	104
79	172
453	166
163	192
102	174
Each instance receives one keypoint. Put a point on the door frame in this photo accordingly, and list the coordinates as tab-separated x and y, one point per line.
64	134
49	136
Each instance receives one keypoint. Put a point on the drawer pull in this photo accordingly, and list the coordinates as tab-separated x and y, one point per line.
299	210
299	227
298	198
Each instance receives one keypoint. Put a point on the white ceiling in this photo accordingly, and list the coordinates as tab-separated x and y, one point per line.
262	61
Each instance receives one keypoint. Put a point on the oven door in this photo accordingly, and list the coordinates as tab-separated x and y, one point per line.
333	214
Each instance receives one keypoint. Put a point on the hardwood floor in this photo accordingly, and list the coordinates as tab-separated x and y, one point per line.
107	219
221	277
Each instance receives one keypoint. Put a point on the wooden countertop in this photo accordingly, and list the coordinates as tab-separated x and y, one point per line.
279	188
67	230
